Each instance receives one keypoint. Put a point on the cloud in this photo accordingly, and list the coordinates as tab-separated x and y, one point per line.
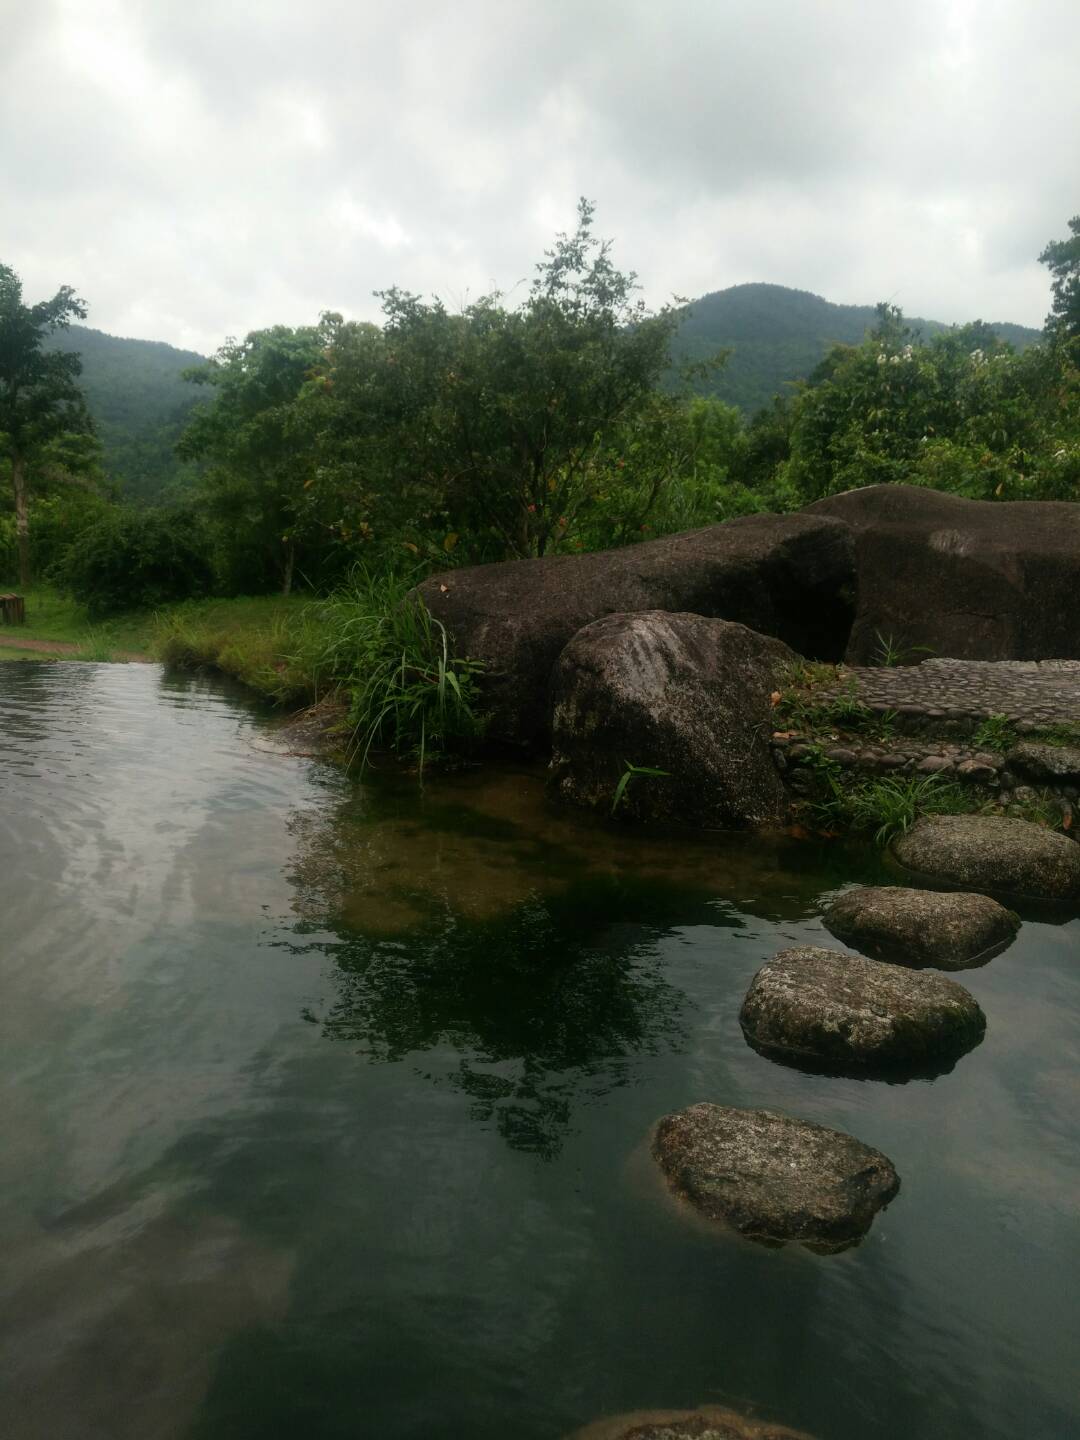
201	169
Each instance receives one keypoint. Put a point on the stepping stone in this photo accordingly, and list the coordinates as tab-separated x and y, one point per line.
708	1423
945	929
774	1178
994	853
850	1015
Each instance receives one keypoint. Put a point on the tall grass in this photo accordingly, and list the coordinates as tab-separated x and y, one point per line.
407	692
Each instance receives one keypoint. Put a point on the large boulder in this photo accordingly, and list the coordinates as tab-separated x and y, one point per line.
970	579
948	930
791	576
774	1178
994	854
710	1422
677	693
851	1015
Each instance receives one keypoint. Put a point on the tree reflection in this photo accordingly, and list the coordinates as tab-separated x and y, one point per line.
525	1014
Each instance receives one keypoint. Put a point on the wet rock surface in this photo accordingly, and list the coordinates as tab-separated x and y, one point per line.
772	1177
678	693
994	854
975	579
945	929
790	576
850	1015
710	1422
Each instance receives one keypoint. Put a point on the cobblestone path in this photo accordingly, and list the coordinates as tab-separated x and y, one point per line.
1032	694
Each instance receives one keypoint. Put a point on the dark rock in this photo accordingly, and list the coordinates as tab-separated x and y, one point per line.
976	772
678	693
708	1423
849	1014
1054	764
945	929
774	1178
973	579
791	576
994	854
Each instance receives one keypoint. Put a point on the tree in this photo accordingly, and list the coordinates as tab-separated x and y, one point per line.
40	401
1063	259
496	418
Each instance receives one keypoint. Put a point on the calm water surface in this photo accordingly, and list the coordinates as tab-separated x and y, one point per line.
324	1112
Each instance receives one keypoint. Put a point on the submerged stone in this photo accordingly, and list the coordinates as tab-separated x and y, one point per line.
994	853
846	1013
710	1422
774	1178
946	929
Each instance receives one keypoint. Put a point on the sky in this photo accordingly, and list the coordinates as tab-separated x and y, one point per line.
197	169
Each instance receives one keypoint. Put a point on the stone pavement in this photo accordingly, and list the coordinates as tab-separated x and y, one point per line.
1031	693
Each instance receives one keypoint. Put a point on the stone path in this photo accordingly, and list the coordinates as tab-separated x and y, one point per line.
1032	694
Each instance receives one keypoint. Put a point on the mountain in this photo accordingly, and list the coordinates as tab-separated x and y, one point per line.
135	393
777	336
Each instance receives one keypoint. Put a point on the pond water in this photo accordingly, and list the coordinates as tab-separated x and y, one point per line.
325	1111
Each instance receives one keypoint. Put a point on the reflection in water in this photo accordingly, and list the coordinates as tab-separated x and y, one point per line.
481	921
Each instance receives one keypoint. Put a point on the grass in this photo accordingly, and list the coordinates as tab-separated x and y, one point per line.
408	693
51	616
886	806
268	642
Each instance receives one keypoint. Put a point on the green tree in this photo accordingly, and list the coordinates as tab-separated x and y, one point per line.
41	405
1062	257
496	419
261	437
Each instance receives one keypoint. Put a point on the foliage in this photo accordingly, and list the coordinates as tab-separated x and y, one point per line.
136	559
997	732
408	693
634	772
41	405
502	424
890	652
886	806
1062	257
961	413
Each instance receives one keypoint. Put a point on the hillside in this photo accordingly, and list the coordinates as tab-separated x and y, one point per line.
136	395
777	336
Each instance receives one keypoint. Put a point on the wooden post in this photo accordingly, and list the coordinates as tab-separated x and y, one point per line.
12	610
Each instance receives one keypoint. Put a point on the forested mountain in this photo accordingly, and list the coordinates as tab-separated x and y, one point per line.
140	403
777	336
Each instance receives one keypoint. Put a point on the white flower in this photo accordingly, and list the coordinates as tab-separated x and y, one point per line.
881	359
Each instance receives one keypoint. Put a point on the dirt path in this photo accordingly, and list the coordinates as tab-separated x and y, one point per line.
10	641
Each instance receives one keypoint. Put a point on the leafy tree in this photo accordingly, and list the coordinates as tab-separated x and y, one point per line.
40	402
261	437
496	418
1063	259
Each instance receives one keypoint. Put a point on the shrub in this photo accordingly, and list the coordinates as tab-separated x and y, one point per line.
136	560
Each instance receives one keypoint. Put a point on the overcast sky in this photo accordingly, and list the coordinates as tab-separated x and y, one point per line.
200	168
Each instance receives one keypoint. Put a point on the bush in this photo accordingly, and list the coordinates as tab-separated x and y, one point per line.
407	692
137	560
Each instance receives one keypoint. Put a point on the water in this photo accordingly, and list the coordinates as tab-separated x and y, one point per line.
325	1112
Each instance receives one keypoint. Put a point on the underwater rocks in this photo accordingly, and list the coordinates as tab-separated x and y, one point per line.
791	576
677	693
848	1014
708	1423
774	1178
992	853
945	929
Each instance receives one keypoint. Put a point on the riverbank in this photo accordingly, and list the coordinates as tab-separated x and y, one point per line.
255	639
